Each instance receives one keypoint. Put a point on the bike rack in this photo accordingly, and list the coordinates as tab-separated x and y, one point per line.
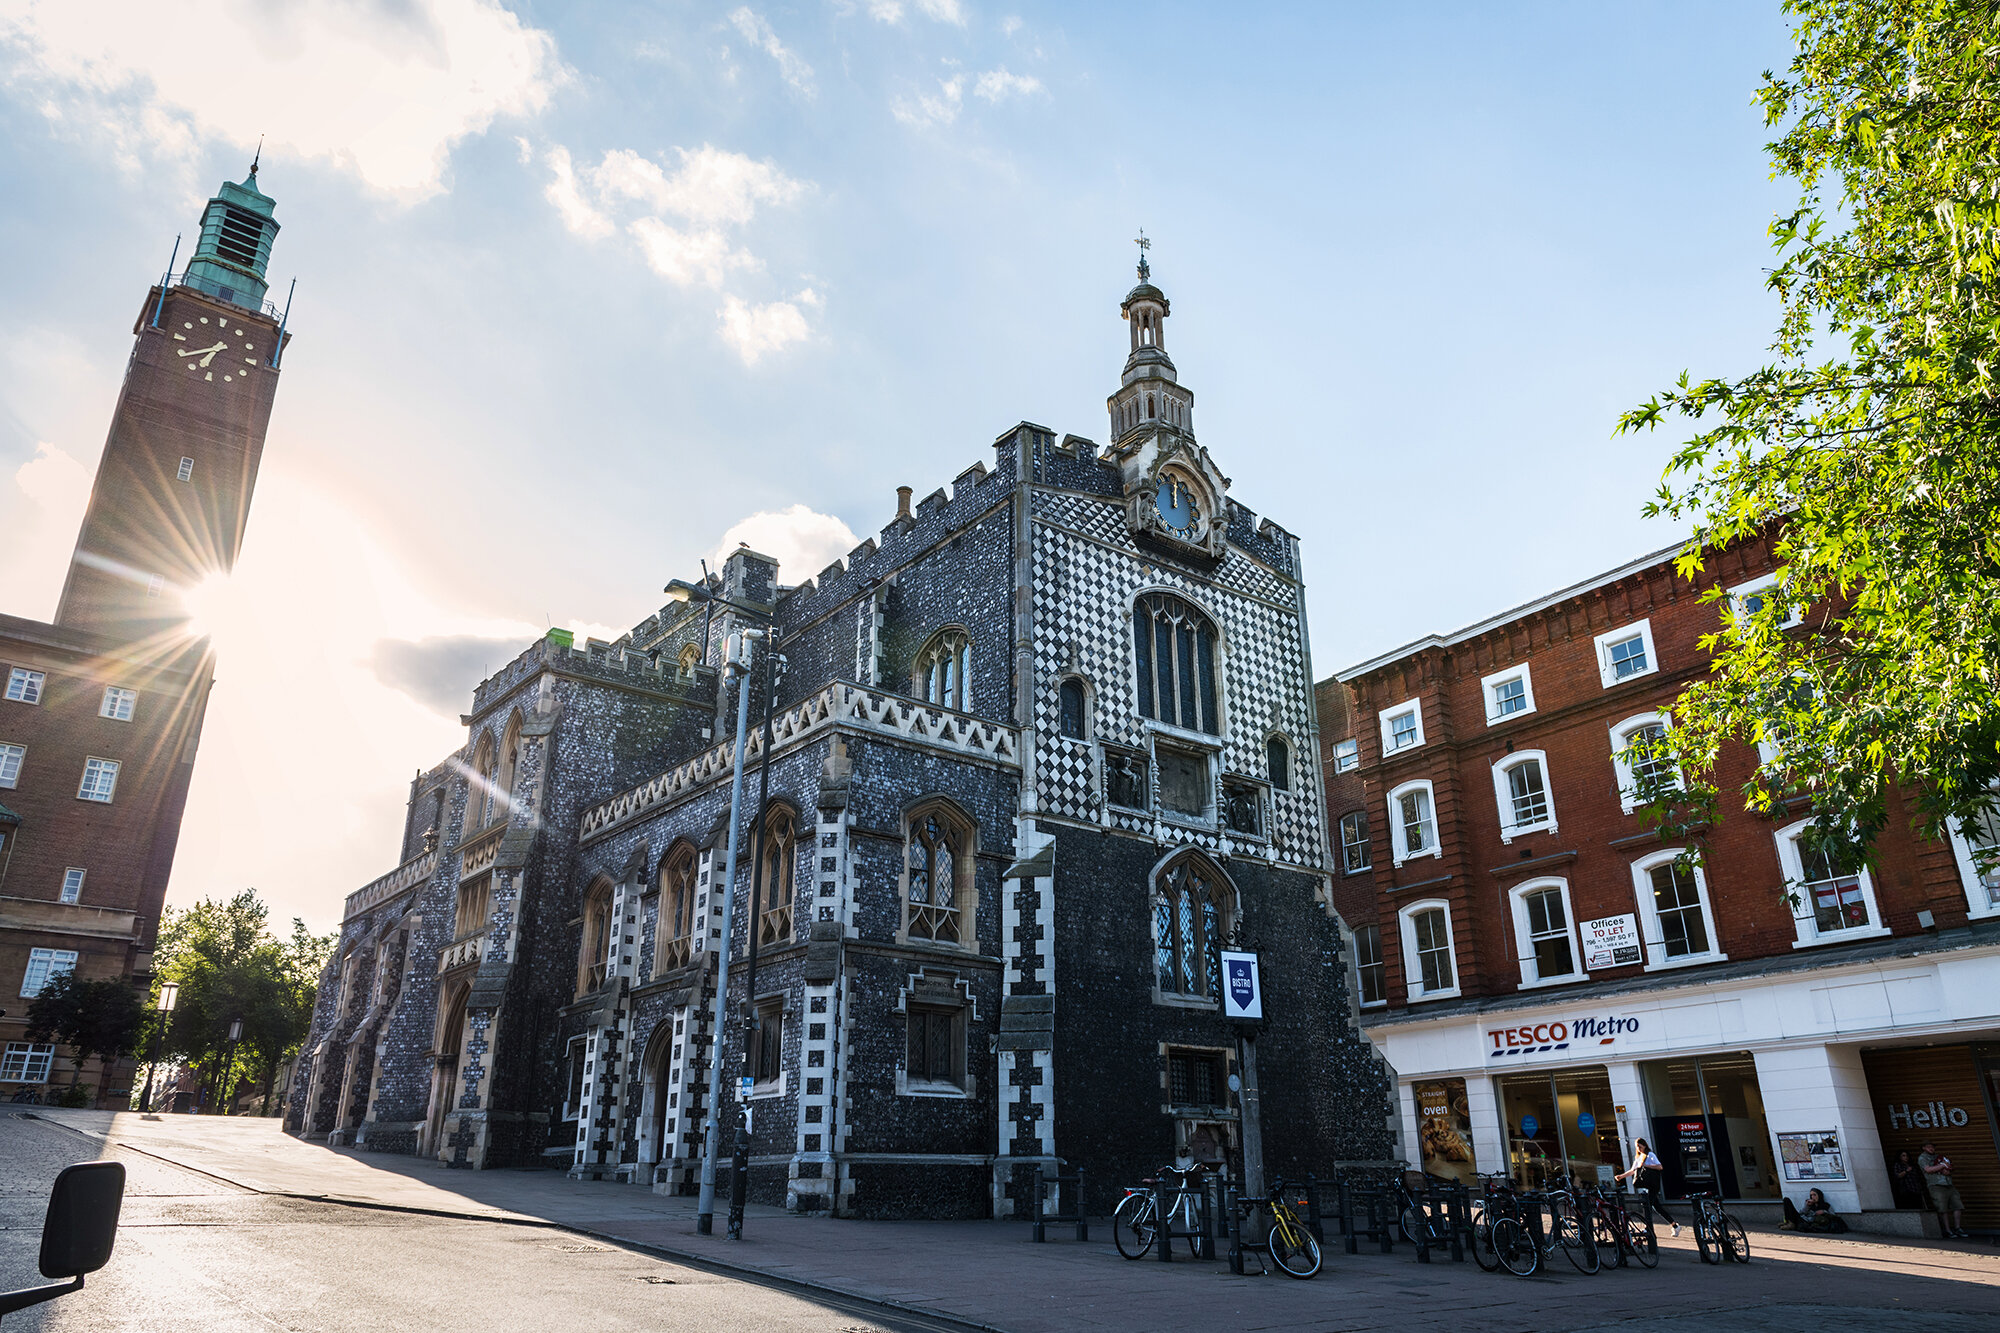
1067	1187
1204	1233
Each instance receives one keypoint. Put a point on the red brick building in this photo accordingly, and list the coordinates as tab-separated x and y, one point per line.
1549	984
100	711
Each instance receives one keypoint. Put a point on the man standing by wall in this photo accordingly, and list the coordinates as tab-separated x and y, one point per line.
1944	1194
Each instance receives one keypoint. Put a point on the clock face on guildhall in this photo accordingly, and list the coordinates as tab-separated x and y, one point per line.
230	356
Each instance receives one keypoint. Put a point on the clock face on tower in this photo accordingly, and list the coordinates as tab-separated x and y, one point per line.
216	349
1178	512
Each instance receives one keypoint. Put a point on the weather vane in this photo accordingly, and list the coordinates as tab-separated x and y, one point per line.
1144	245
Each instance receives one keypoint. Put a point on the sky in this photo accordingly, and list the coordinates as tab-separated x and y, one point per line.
586	294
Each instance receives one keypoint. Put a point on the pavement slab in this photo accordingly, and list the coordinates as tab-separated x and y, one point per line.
990	1275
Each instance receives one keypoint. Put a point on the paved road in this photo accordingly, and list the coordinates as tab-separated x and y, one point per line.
195	1252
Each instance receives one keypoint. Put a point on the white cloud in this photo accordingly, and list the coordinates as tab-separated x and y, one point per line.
711	185
701	257
996	84
802	541
1010	25
754	330
759	34
38	526
925	110
382	90
944	11
576	211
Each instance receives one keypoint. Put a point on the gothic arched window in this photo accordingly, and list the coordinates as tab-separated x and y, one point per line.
944	670
510	769
1191	915
480	806
1174	651
1278	762
673	932
593	963
938	875
774	910
1071	701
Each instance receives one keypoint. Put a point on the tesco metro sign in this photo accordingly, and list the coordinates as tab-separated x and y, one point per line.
1539	1038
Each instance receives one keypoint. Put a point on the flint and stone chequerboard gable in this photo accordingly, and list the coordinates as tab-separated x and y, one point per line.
1038	751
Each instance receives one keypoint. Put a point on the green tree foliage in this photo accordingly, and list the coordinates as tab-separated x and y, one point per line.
231	967
98	1020
1870	445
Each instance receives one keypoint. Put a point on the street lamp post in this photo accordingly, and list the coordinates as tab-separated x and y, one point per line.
169	992
229	1066
739	1181
704	1221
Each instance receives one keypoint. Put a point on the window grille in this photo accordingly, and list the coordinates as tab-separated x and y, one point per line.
1346	756
1833	894
774	914
26	1062
1418	831
936	1046
72	885
1196	1078
1628	657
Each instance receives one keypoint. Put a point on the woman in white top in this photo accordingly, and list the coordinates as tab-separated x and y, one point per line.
1645	1177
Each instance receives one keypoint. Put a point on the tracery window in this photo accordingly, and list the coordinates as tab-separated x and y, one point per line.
1191	917
673	932
479	802
938	873
944	670
594	958
774	911
1174	656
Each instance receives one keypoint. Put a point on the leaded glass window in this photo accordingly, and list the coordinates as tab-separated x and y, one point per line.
672	932
1174	651
1190	919
937	869
944	670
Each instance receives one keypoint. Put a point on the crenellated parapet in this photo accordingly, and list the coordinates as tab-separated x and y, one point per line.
617	663
405	876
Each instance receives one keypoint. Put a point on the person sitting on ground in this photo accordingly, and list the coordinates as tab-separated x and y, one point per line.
1819	1214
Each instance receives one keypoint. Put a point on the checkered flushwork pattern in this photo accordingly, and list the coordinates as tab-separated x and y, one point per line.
1083	609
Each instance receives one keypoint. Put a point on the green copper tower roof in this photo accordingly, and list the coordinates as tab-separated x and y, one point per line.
235	246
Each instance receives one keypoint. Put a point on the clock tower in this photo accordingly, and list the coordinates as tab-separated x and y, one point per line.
1173	494
172	493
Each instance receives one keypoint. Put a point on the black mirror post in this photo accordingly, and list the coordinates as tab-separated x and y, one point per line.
78	1232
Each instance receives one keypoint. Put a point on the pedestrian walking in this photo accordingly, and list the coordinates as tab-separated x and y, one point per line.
1906	1182
1645	1177
1944	1195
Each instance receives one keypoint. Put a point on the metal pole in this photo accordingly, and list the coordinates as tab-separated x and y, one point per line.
704	1221
164	284
1253	1123
739	1181
146	1096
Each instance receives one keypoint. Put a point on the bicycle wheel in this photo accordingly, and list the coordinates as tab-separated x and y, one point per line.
1295	1250
1576	1243
1606	1235
1518	1252
1483	1252
1641	1243
1734	1242
1133	1227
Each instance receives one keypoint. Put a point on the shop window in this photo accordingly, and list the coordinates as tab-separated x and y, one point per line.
1354	841
1544	934
1708	1126
935	1061
1174	658
1831	901
1193	910
1071	705
1197	1078
1371	973
1412	821
1402	727
1430	968
1521	786
1346	755
1509	694
1676	918
1975	842
1560	1126
1640	771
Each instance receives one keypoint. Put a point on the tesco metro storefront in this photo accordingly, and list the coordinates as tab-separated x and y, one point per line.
1751	1085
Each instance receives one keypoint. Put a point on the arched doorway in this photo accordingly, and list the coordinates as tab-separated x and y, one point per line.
444	1072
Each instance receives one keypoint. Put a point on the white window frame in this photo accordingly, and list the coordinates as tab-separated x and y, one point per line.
1415	708
12	759
1381	963
1644	630
27	1062
1651	934
1524	953
1978	902
1399	851
1346	755
1504	798
25	685
1621	738
72	885
1365	844
1795	614
119	703
186	470
1804	927
1413	971
84	789
42	965
1489	686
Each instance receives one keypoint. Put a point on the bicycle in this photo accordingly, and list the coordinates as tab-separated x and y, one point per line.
1135	1224
1714	1227
1416	1219
1620	1232
1566	1230
1290	1241
1500	1233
